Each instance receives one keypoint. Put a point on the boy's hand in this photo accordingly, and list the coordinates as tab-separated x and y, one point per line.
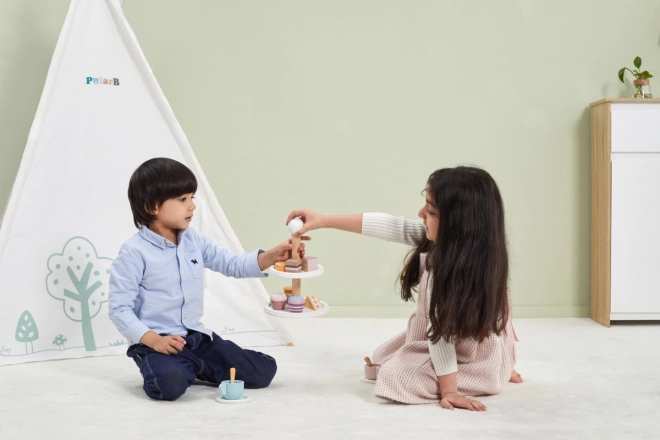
170	344
451	400
281	252
311	219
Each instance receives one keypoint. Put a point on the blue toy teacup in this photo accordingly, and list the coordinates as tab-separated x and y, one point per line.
231	391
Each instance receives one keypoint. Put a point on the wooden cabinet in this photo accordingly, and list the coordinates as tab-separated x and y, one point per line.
625	210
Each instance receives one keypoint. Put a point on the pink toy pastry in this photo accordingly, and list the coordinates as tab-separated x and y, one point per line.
310	264
296	304
278	300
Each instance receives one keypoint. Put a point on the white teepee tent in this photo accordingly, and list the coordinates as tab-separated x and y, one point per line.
101	114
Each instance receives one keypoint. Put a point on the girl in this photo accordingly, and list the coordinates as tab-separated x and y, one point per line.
460	341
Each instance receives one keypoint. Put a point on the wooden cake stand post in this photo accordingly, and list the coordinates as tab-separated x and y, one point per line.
295	256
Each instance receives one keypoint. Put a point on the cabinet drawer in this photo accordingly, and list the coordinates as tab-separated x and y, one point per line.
635	127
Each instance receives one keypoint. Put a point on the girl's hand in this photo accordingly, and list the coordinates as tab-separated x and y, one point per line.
451	400
311	219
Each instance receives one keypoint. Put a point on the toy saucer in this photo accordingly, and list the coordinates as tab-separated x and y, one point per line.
243	399
365	380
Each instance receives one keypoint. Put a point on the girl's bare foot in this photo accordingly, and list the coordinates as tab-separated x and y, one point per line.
515	377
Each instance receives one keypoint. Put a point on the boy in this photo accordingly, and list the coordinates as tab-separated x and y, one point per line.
156	288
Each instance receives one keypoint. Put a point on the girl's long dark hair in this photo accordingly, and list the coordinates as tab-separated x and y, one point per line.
468	261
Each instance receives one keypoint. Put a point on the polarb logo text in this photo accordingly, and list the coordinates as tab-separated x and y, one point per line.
99	80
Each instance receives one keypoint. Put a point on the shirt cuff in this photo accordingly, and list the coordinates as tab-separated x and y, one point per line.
253	270
135	332
443	357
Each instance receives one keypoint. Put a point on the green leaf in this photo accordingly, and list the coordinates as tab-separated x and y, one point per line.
638	62
621	72
645	75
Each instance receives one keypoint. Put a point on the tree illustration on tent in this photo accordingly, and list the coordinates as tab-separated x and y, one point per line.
79	278
26	330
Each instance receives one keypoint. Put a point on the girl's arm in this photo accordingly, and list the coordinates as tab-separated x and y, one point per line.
391	228
445	365
382	226
313	220
449	397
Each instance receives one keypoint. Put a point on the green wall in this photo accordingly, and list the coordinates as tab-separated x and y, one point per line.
347	106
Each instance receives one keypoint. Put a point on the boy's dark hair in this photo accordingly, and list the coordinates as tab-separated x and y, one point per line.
153	183
468	261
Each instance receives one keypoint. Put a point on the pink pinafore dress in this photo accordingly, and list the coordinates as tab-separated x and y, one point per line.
406	374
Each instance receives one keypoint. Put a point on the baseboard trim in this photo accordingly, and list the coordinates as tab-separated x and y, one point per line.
370	311
405	311
551	311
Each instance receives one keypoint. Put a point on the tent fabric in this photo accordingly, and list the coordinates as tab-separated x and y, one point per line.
100	116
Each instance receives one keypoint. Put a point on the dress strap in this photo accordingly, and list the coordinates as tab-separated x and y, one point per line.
508	294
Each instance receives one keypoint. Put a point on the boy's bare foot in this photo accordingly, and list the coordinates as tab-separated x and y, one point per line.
515	377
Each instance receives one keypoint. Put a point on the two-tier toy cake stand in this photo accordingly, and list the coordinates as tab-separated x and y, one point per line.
296	269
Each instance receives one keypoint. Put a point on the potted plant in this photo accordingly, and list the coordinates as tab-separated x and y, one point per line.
641	82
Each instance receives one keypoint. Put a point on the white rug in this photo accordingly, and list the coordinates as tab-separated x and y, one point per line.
582	381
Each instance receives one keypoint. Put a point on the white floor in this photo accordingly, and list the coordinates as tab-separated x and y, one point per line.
582	381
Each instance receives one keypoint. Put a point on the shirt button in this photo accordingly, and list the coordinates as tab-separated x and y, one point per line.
183	273
185	317
162	244
187	296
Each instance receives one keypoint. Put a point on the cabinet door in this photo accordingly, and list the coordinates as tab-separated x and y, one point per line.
635	233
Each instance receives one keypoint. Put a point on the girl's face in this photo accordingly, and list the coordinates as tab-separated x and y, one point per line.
429	215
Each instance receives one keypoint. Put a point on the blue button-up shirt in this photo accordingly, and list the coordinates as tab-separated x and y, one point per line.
157	285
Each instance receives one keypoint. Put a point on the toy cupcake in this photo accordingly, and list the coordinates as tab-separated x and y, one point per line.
278	301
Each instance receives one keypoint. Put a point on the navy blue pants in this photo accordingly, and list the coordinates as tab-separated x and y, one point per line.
167	377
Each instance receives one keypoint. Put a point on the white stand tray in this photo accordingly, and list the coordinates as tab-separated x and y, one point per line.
306	313
300	275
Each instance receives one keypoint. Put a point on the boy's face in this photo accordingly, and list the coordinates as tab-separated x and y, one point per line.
175	213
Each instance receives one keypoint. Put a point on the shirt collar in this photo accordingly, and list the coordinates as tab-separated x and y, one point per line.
156	239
